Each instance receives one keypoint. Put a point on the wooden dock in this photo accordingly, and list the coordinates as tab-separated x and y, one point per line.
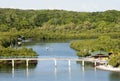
83	60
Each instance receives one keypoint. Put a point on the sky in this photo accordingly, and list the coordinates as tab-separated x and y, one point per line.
70	5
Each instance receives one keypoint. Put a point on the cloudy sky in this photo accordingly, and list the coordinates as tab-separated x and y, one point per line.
72	5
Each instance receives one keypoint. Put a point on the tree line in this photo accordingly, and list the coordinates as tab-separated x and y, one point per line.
60	24
107	21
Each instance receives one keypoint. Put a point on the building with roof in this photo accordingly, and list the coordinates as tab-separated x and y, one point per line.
99	53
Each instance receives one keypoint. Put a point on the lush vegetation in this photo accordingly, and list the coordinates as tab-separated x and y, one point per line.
9	46
22	52
60	24
103	27
115	60
85	47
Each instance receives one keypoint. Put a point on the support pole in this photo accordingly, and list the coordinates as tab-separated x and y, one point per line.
55	62
82	62
95	63
69	63
27	64
13	64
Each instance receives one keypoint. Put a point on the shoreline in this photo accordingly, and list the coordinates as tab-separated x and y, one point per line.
108	68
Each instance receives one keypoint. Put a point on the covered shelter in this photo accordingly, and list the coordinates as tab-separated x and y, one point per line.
99	54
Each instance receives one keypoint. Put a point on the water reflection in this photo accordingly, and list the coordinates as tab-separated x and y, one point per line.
8	69
83	69
114	76
69	72
27	72
95	69
13	72
55	73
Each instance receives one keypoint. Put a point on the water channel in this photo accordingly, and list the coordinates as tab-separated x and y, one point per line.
46	71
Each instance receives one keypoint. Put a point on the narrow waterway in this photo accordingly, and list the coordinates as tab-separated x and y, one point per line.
46	71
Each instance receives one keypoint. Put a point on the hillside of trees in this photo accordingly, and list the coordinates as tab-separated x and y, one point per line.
60	24
26	19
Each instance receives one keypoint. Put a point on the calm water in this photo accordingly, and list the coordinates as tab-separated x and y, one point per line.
45	70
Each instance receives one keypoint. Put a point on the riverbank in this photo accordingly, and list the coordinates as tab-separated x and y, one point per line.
108	67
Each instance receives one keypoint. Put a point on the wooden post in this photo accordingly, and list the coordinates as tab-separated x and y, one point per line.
13	63
95	63
27	62
82	62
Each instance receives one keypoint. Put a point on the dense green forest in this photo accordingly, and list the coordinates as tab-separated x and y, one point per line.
96	30
105	43
60	24
27	19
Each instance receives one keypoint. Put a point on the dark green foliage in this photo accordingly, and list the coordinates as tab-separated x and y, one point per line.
27	19
60	24
84	47
21	52
115	60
